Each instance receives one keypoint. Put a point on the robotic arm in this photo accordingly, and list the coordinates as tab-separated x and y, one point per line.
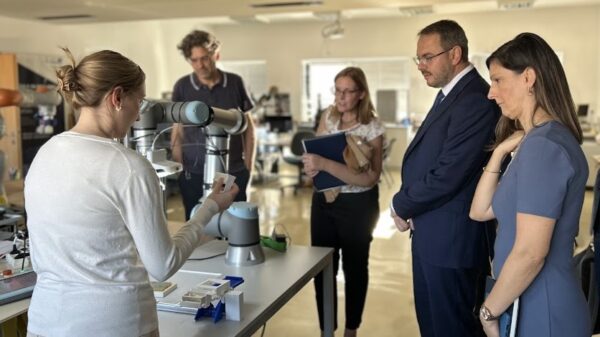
240	222
219	125
189	113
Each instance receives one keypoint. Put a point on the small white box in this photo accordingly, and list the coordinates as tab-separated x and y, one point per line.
234	300
227	180
195	299
214	286
162	289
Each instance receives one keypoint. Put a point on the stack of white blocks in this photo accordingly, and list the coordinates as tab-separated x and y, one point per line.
203	293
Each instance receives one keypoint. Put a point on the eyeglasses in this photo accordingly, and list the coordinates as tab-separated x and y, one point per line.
144	103
340	93
426	59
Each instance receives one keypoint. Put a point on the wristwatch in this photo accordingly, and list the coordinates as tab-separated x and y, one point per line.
486	314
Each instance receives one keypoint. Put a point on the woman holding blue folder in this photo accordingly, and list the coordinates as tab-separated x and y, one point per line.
539	198
347	223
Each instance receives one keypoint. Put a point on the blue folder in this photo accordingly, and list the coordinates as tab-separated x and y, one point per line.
331	147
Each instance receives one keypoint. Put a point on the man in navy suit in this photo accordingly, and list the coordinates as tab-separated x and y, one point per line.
440	171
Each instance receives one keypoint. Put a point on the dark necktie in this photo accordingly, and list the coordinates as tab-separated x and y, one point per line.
438	99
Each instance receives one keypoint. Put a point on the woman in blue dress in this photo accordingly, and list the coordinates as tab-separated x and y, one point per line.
538	200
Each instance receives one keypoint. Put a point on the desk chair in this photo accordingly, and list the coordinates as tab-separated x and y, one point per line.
387	149
295	158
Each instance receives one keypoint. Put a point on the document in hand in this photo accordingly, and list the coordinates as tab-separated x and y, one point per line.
508	319
331	147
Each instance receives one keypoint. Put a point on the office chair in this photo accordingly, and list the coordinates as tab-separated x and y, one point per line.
295	158
387	150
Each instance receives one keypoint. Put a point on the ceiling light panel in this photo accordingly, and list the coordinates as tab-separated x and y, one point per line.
416	10
281	4
515	4
281	17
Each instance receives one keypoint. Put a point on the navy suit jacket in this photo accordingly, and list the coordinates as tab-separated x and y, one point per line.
440	171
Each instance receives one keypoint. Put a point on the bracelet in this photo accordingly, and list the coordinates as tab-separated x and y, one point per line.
497	172
486	314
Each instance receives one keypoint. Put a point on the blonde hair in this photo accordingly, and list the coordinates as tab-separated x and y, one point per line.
365	110
87	83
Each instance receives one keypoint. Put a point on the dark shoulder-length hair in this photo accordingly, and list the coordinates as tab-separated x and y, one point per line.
365	109
551	88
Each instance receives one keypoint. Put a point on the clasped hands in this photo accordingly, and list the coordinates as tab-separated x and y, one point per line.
401	224
314	163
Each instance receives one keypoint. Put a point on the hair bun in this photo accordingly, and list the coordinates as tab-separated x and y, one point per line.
67	86
66	79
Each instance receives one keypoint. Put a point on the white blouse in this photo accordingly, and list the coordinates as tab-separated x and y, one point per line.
367	131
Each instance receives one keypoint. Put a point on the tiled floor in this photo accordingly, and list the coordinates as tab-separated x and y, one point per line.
389	309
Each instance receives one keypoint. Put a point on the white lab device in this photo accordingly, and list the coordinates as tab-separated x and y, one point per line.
227	180
239	224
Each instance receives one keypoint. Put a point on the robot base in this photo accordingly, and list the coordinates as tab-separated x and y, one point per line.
244	256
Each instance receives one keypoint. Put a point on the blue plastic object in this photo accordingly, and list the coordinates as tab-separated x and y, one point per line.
216	313
234	281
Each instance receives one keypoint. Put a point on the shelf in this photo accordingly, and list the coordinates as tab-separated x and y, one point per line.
34	135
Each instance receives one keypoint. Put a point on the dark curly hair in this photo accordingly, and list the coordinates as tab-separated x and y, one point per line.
198	38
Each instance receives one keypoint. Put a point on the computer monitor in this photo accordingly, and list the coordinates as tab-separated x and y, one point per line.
582	110
279	123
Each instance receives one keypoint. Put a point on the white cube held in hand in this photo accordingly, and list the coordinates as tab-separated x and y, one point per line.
227	180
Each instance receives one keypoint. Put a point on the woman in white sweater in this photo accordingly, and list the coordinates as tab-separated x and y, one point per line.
95	212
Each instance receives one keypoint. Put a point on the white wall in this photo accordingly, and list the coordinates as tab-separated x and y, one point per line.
152	44
285	45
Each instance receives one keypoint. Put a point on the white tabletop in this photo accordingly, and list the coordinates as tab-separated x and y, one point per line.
267	287
14	309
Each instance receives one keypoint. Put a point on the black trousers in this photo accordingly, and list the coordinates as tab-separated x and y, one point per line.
446	299
346	225
191	188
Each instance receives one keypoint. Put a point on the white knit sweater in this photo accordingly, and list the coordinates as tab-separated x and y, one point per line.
97	228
